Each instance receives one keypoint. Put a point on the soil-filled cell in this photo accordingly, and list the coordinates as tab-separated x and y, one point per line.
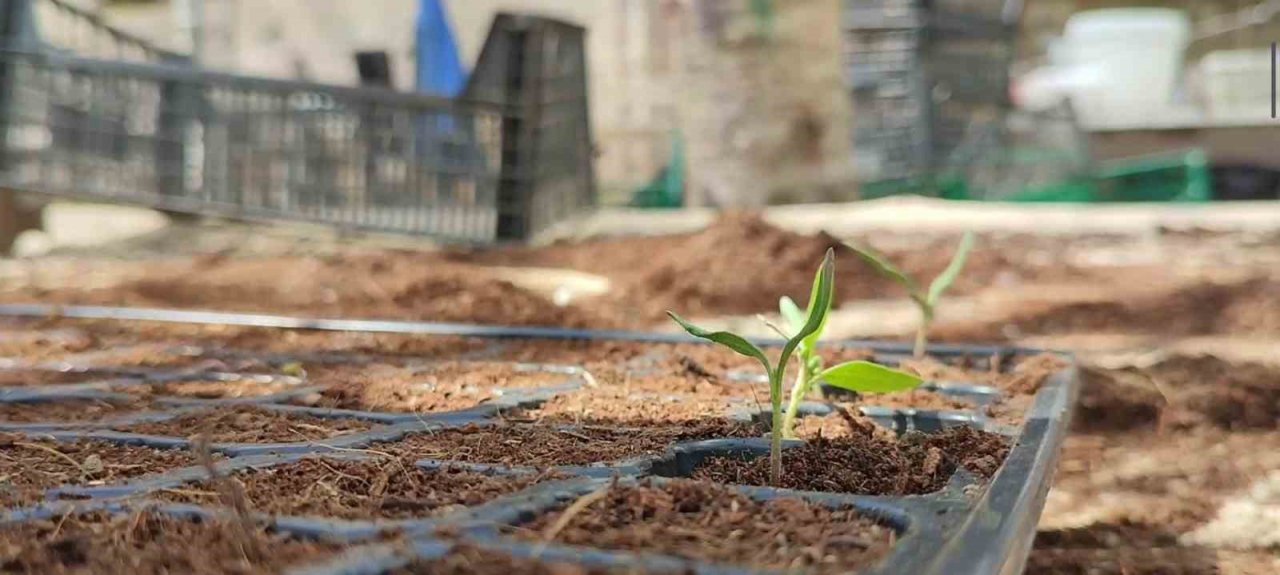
713	523
444	387
550	445
248	424
149	543
377	488
31	465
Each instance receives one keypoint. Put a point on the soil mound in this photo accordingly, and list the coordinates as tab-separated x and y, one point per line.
1211	391
1116	400
1182	392
1255	312
463	299
1191	309
1117	549
741	264
391	285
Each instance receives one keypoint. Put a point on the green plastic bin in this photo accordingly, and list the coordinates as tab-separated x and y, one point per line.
667	189
1177	177
1180	177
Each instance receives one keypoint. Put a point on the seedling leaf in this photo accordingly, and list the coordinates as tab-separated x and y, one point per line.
867	377
732	341
811	341
949	275
818	306
791	313
886	268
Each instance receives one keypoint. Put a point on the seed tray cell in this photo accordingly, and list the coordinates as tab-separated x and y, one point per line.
626	466
71	396
143	490
329	532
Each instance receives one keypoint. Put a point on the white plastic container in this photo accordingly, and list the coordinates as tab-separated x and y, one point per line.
1137	56
1237	84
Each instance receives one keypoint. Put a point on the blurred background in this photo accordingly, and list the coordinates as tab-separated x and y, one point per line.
236	107
1200	64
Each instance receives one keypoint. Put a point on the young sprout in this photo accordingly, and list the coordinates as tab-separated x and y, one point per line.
861	376
926	301
810	361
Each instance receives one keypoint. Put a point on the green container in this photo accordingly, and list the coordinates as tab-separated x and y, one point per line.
1180	177
894	187
949	187
1082	191
667	189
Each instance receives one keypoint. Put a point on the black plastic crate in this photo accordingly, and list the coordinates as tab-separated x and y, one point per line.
921	73
130	123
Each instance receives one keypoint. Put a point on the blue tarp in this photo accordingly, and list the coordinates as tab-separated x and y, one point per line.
440	69
447	141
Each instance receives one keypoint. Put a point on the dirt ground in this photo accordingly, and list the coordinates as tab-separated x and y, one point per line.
1171	467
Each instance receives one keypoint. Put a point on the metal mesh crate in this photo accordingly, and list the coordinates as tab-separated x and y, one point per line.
506	160
184	140
922	73
535	69
975	13
882	51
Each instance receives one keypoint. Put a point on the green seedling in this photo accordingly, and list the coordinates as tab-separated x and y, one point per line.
925	300
811	371
861	376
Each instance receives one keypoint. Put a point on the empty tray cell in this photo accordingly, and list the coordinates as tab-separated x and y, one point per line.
70	410
649	400
31	342
432	388
31	465
249	424
219	386
29	377
550	445
373	488
152	542
1022	375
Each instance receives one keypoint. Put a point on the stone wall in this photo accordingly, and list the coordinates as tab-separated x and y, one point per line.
763	104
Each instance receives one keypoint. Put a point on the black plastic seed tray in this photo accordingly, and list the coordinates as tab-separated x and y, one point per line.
970	526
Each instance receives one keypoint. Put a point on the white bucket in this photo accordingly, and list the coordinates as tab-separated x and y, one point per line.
1137	54
1237	84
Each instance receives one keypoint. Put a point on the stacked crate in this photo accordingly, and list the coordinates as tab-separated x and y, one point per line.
925	74
882	54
